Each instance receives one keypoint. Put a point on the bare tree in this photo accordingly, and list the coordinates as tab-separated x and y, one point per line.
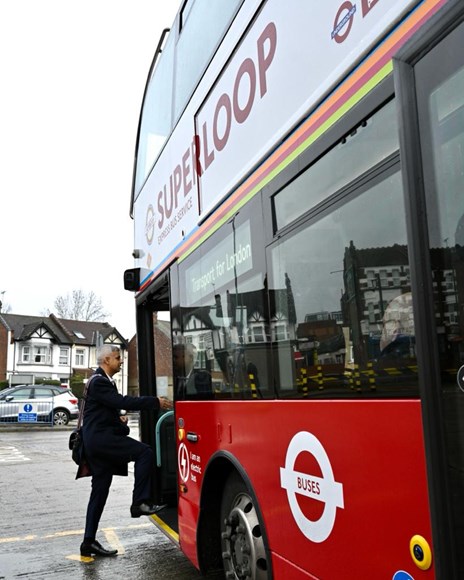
80	305
4	306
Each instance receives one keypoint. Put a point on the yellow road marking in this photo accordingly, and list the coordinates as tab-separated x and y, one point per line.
17	539
67	533
79	558
113	540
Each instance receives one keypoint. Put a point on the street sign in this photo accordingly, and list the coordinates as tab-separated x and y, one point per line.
28	414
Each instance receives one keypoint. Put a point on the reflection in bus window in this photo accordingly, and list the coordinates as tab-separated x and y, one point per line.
370	143
347	303
224	317
441	112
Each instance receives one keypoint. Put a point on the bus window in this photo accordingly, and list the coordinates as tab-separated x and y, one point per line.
368	144
347	299
224	323
199	19
156	117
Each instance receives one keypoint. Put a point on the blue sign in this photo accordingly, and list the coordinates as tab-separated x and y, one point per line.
27	416
402	575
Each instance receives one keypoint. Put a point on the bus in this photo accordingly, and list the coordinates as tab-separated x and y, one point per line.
298	207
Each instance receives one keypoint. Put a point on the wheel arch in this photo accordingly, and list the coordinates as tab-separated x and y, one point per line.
217	472
62	409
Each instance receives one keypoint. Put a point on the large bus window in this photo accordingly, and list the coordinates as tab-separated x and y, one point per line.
156	120
221	348
370	143
347	300
205	20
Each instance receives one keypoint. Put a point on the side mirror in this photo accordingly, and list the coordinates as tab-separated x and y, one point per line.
132	279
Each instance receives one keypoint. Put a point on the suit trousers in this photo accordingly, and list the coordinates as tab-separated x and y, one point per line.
143	473
100	489
143	457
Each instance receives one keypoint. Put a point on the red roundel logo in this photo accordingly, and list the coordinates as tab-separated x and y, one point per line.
150	224
343	22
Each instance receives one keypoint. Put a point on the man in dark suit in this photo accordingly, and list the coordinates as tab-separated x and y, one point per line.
108	449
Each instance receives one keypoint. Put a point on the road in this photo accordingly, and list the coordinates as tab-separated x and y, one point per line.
43	509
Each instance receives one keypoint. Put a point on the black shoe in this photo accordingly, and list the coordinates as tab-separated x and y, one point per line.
95	549
145	509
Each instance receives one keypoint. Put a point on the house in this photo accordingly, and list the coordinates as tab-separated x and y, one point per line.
47	347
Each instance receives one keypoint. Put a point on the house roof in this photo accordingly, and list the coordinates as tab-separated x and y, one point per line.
64	331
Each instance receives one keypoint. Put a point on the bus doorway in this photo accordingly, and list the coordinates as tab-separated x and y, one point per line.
154	352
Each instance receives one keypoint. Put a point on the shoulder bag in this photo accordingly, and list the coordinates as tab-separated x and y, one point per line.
76	444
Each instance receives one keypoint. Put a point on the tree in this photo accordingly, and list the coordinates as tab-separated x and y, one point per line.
80	306
4	307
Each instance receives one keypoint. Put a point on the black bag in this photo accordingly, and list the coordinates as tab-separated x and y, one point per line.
75	445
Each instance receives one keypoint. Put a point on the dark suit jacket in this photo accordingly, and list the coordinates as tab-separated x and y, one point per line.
107	447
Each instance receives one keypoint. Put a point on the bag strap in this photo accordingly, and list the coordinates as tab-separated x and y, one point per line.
82	407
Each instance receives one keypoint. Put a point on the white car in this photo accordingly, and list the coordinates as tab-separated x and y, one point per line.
38	401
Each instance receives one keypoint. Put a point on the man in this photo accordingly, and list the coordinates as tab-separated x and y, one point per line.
108	449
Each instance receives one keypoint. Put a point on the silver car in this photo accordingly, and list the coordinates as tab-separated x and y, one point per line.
41	403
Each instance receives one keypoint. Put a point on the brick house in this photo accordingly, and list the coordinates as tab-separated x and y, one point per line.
47	347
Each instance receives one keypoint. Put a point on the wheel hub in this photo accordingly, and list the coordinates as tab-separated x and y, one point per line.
244	555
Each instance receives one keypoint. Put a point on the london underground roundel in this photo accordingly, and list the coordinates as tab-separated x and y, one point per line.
323	489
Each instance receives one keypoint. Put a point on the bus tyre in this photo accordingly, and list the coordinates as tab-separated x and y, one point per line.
244	553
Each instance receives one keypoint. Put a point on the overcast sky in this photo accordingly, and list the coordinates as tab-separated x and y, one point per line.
72	77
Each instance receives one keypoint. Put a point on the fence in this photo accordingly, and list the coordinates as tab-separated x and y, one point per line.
27	413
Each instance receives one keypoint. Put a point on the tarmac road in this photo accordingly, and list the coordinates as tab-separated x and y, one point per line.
43	508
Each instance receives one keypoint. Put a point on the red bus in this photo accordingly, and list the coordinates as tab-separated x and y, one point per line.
298	202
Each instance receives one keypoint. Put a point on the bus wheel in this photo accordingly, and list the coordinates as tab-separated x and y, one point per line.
243	547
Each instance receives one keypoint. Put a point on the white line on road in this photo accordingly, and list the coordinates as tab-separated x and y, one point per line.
9	454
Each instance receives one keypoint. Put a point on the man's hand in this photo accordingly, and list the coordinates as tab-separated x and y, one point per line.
165	403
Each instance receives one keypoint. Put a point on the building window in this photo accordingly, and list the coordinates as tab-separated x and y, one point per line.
257	333
80	357
26	354
42	355
64	356
280	332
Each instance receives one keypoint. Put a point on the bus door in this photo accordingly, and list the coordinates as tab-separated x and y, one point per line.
156	378
431	87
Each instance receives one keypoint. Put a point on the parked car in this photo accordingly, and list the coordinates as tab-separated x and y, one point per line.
46	400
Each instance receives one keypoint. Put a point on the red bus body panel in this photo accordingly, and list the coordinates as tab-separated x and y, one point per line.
375	451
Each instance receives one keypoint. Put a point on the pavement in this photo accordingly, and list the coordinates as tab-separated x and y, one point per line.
33	426
14	426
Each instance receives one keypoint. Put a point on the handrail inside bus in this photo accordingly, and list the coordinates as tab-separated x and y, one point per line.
158	435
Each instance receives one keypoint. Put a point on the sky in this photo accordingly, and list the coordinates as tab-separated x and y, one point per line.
72	77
